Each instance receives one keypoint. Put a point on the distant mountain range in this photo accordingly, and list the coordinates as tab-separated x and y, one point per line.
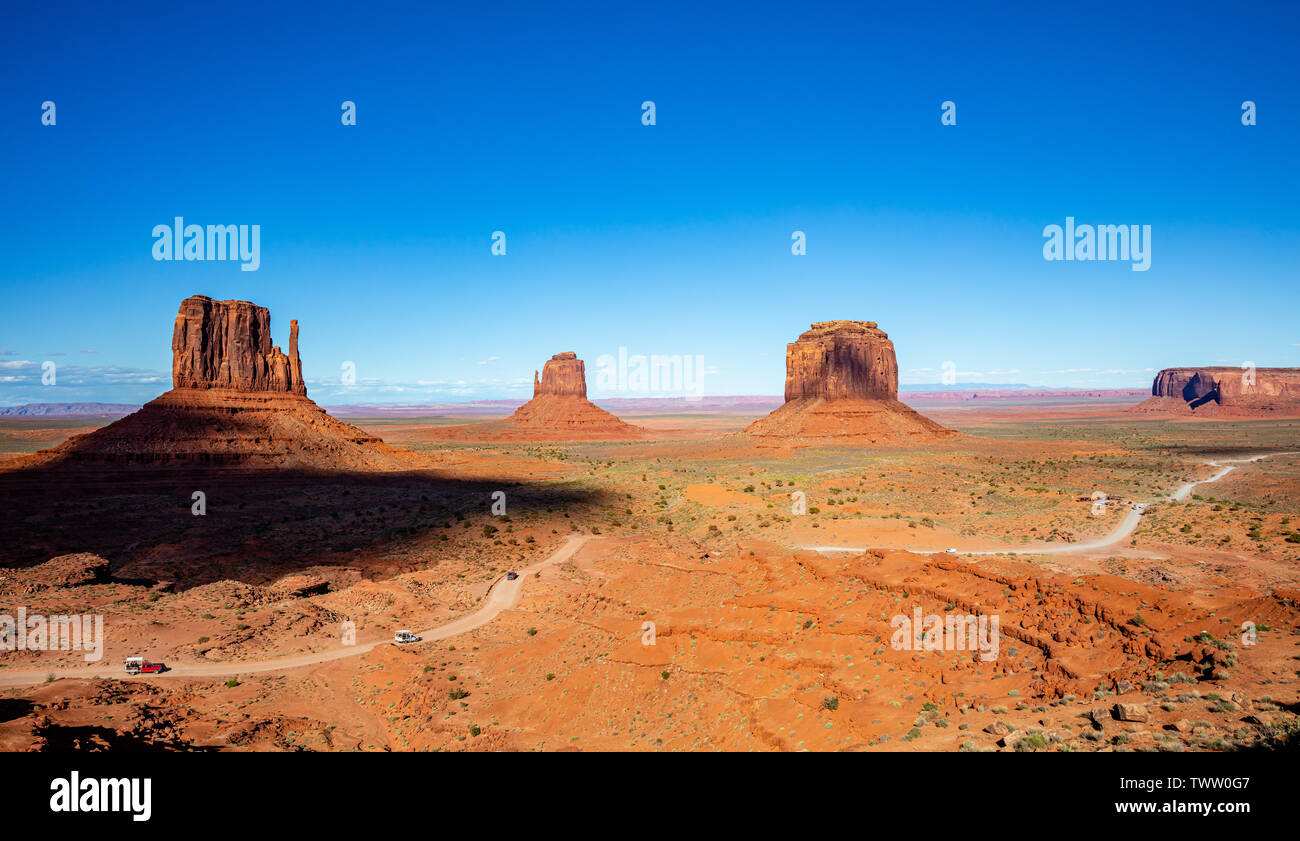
747	404
67	410
969	386
613	404
975	394
928	393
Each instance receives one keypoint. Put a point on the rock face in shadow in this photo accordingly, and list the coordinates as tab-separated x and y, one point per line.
563	375
559	411
1224	391
238	400
227	345
841	386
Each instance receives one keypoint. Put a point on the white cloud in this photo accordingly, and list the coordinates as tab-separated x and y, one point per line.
21	383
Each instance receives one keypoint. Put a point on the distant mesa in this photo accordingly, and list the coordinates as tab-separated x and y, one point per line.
558	411
236	400
841	386
1224	392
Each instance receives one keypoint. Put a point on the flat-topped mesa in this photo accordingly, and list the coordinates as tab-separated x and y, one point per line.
1224	390
227	345
840	360
563	375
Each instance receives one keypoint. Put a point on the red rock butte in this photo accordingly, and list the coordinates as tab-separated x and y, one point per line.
227	344
236	400
558	411
1224	392
564	374
841	386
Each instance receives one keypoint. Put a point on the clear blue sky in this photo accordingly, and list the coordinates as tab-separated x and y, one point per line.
667	239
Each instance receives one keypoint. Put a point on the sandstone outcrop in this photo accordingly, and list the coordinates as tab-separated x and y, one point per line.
559	411
563	375
841	360
227	344
74	570
841	385
237	400
1224	391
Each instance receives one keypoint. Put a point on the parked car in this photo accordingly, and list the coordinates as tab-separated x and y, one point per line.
511	576
950	551
402	637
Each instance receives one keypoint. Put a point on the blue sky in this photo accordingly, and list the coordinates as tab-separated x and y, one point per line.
665	239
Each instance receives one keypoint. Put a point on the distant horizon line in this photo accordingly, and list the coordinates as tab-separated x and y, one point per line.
910	388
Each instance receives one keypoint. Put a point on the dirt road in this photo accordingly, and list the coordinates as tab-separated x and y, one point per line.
502	595
1126	527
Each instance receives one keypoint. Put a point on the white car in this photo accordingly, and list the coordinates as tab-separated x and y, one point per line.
950	551
402	637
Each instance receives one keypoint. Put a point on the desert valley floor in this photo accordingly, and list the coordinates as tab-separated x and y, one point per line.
771	629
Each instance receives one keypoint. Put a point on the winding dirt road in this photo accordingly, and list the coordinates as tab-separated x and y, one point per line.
1126	527
502	595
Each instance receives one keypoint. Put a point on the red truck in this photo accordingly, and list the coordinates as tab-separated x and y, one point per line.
139	665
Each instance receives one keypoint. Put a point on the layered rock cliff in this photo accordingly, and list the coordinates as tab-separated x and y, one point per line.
227	345
839	360
1219	390
841	385
564	375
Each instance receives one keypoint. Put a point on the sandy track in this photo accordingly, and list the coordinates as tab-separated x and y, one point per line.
1126	527
502	595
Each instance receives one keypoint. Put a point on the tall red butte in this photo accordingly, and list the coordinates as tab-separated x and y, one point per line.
841	386
558	411
236	400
